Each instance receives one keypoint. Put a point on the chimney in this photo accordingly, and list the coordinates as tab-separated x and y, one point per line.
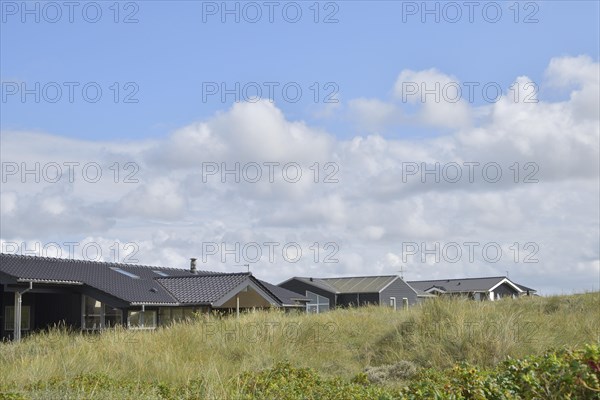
193	265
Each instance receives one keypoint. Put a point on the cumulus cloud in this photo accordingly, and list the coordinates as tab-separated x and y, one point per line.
440	96
161	198
358	201
247	132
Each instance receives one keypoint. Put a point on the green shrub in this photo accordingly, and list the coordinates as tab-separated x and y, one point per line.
193	390
284	382
562	374
11	396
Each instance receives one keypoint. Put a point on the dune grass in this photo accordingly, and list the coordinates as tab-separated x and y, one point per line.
213	351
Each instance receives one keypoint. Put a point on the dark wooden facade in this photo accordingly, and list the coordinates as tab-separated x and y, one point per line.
301	287
399	290
47	308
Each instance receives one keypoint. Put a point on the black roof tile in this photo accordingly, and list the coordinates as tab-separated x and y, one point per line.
146	287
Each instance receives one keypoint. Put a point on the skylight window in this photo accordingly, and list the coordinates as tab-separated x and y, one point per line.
160	273
129	274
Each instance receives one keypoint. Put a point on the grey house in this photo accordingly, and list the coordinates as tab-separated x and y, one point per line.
489	288
328	293
38	292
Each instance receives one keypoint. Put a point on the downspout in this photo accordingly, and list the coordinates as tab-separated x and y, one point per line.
17	316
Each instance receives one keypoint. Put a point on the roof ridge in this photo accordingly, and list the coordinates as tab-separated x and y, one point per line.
203	275
106	263
348	277
457	279
366	276
76	260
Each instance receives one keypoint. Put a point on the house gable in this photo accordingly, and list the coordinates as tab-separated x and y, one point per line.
396	291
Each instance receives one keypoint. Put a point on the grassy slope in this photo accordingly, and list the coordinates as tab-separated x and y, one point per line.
340	343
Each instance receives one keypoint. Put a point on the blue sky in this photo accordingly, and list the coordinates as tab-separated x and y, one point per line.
170	52
175	58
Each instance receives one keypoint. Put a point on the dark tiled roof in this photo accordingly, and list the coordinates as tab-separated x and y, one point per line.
149	286
202	289
287	297
98	275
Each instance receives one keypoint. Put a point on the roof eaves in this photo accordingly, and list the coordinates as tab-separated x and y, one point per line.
265	288
319	283
50	281
151	303
253	281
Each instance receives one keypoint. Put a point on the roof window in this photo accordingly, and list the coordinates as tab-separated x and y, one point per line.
129	274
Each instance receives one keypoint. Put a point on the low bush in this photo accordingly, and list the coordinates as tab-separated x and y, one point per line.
561	374
398	372
284	382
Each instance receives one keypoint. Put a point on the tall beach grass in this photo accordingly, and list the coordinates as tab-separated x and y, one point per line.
340	343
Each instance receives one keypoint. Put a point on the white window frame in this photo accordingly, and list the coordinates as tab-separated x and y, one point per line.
393	303
318	304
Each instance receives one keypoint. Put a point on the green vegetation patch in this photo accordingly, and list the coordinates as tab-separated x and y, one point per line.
562	374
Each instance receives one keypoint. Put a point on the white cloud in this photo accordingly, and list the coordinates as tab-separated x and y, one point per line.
171	212
8	203
161	198
440	97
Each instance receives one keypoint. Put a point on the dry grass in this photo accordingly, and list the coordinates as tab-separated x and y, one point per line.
338	343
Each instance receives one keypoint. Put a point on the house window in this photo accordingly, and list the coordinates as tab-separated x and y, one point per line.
92	314
9	322
141	319
112	316
393	303
97	315
317	304
169	315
